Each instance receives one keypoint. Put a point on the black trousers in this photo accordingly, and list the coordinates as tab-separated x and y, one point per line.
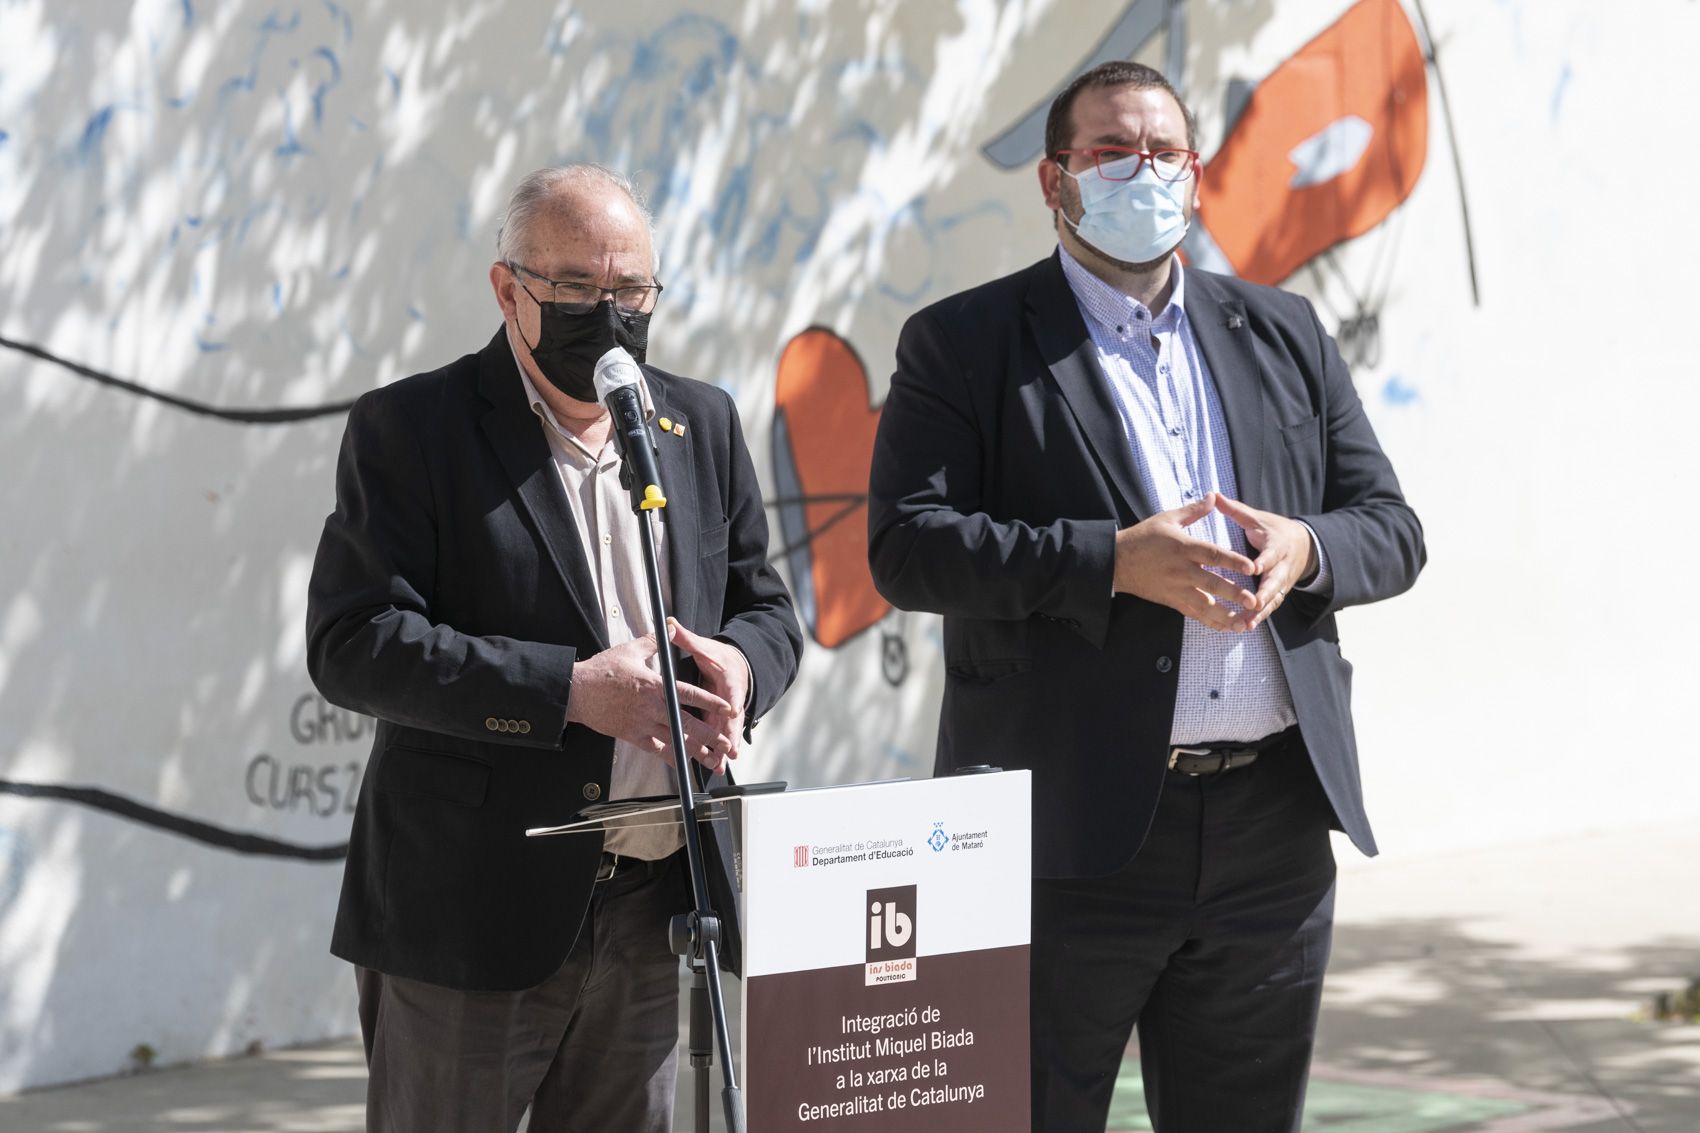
592	1049
1212	941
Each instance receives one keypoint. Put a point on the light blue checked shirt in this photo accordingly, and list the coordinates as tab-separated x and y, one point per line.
1231	684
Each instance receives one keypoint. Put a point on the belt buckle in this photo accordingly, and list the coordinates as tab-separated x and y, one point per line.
607	867
1175	754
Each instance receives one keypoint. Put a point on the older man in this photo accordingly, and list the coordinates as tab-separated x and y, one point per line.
1139	494
479	589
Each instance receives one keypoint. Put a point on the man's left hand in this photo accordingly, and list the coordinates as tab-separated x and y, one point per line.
724	672
1286	555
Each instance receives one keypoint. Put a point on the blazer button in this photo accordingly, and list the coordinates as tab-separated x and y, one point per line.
592	791
1164	664
492	723
513	725
525	727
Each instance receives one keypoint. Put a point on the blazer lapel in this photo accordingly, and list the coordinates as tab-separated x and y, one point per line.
1067	349
682	515
517	436
1224	336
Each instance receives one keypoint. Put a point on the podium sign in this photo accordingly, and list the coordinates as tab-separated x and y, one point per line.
886	933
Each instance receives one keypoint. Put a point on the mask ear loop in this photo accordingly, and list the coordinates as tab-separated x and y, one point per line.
529	348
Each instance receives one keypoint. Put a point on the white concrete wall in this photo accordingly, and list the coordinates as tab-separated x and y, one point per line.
261	205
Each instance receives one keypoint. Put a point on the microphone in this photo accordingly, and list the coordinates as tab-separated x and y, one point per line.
616	377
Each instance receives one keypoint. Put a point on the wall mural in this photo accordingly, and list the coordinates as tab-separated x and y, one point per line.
1319	152
223	222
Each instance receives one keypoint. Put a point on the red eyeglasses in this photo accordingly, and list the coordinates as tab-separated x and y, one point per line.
1119	163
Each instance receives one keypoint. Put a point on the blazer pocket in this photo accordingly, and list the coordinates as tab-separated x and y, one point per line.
1301	433
987	672
433	775
714	540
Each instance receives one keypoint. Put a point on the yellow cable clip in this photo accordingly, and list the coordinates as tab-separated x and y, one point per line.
652	497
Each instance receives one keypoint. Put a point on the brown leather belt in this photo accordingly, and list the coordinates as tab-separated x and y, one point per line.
1213	759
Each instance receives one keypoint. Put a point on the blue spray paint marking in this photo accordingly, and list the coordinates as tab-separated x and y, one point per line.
3	136
248	219
291	146
342	17
14	863
900	758
327	86
269	27
188	13
416	315
1558	91
277	301
241	83
273	24
915	214
395	82
94	134
206	346
1396	392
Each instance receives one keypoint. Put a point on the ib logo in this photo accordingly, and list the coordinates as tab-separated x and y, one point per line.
938	838
891	924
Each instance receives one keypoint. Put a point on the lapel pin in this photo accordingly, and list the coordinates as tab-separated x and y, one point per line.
679	429
666	425
1235	322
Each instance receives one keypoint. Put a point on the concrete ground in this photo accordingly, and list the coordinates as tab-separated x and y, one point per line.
1492	991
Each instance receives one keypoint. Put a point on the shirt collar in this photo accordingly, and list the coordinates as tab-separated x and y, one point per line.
1108	307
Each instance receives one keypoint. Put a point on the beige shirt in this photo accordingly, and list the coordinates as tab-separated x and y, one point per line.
613	548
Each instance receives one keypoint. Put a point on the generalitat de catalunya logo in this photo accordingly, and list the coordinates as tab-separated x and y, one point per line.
891	935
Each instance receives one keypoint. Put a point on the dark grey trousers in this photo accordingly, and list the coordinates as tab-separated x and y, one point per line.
593	1048
1212	941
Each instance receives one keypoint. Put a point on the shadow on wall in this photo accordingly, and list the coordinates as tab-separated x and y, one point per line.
258	207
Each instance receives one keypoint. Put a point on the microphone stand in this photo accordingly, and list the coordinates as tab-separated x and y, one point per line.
694	935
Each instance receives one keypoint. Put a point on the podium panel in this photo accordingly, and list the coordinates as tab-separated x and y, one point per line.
886	931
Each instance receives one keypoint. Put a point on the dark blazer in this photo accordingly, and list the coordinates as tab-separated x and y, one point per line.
449	599
1000	476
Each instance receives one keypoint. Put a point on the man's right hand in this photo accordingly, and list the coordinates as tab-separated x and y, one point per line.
1158	561
618	694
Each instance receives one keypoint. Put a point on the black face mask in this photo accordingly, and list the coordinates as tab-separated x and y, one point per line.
568	345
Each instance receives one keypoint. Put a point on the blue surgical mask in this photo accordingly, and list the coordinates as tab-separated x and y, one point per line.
1135	221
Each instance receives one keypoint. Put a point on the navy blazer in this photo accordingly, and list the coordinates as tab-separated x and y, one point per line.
449	599
1000	476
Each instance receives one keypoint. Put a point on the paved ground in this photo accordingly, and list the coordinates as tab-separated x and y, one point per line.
1497	991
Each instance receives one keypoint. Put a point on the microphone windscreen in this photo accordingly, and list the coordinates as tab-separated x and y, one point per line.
613	370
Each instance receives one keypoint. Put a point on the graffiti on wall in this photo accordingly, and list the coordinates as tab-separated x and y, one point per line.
1319	152
1322	151
223	221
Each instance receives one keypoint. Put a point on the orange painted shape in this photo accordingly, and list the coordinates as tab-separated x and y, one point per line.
822	392
1368	65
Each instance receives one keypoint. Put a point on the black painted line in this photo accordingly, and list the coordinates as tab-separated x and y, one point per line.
1452	142
826	525
193	829
201	408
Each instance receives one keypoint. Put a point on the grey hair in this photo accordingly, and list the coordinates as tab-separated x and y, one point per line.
533	193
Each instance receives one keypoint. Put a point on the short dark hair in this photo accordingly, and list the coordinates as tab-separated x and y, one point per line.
1059	123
